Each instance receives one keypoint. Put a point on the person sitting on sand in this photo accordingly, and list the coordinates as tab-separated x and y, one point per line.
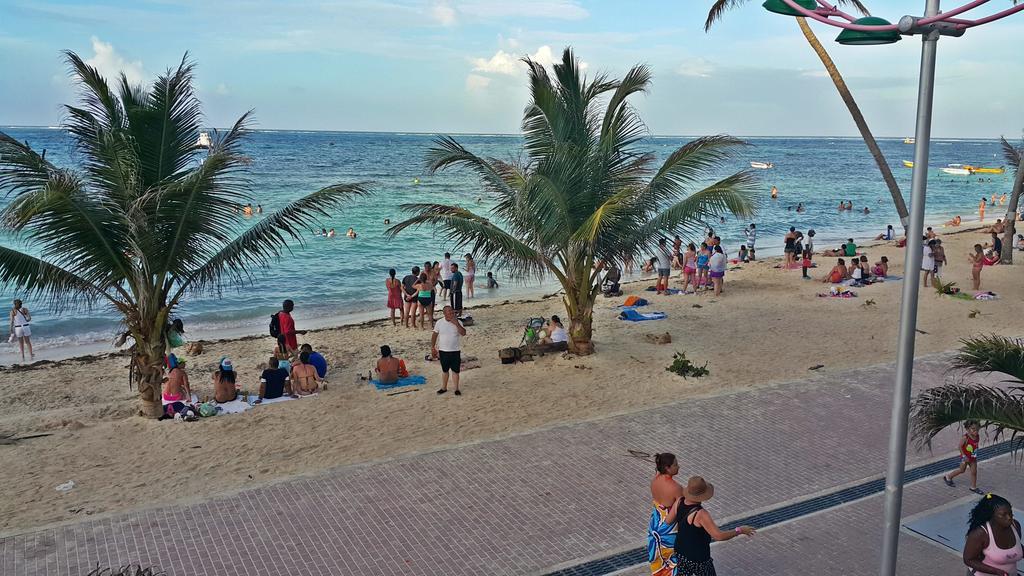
882	267
1020	241
743	256
851	248
224	388
274	382
837	274
556	332
929	233
175	386
491	282
316	359
389	369
955	221
997	228
889	234
304	377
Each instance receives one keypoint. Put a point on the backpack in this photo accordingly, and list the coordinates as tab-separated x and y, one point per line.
275	325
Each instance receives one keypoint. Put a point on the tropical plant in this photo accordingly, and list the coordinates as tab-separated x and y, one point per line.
682	366
999	409
1015	156
585	192
147	218
719	7
129	570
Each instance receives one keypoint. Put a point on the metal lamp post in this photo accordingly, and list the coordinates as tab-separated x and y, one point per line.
872	31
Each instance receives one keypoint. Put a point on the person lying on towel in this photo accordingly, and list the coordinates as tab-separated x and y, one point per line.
390	369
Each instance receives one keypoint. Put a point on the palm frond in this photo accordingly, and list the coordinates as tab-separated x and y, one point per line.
448	153
21	168
1011	153
265	242
938	408
688	165
719	8
992	353
463	228
60	288
733	194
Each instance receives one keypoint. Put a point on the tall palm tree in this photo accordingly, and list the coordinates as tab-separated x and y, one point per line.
1015	156
147	217
999	409
584	192
716	12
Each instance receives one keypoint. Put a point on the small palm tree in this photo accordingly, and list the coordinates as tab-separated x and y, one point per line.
1015	157
147	218
584	192
999	409
721	6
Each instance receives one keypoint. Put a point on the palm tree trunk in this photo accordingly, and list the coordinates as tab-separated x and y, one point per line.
858	119
149	372
1006	257
581	330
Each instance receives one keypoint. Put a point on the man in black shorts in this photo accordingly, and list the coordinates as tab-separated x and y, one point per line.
446	345
409	297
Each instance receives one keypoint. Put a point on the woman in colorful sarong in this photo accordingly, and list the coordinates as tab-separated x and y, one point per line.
661	534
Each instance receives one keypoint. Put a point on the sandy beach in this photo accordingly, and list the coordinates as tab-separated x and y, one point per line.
768	326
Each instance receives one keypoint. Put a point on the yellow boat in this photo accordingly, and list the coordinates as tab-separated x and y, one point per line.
908	163
978	170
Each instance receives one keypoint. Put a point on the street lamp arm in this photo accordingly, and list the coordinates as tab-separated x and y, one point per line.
827	11
950	13
997	15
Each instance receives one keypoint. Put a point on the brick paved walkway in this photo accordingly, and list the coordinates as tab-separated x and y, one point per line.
519	505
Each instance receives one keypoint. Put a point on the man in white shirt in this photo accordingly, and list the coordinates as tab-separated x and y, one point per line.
446	345
751	233
446	275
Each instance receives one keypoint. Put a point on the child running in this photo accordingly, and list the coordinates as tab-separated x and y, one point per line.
968	456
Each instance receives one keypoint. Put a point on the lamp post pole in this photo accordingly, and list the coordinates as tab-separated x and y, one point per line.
908	310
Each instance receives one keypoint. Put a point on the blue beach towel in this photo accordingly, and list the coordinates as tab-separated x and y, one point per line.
414	380
632	315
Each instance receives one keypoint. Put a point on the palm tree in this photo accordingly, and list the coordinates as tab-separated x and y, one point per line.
1015	156
147	218
584	192
719	8
1000	409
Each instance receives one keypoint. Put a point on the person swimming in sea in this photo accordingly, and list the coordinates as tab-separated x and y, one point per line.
351	233
775	193
331	233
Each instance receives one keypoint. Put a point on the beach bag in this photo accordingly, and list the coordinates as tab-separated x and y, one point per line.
275	325
509	355
206	410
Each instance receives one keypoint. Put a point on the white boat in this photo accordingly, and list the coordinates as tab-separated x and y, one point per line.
908	140
957	170
204	140
762	165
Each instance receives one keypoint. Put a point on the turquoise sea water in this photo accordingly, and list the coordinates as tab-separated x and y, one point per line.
340	278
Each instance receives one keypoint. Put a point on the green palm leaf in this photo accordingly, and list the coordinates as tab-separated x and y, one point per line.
720	7
938	408
38	278
992	353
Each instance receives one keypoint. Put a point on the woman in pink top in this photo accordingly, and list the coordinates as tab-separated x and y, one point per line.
993	538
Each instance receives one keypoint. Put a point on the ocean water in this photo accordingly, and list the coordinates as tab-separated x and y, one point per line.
341	279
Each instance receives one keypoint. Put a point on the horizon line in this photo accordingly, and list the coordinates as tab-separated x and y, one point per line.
509	134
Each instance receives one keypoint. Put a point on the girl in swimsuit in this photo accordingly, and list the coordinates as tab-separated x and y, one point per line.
425	294
469	275
690	267
977	262
394	287
702	265
968	456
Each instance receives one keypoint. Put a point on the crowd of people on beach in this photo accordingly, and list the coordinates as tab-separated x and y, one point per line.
412	301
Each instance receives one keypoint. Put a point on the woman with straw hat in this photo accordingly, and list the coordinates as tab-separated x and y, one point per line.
697	529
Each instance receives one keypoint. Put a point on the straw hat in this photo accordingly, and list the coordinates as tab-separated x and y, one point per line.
698	489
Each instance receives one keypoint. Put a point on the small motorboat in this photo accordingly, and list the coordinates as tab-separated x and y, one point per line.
762	165
957	170
980	170
204	140
908	140
908	163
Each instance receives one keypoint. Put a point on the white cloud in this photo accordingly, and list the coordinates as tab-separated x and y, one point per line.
475	82
221	89
443	13
533	9
814	74
695	67
501	63
111	64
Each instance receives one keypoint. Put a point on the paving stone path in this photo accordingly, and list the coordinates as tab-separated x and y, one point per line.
518	505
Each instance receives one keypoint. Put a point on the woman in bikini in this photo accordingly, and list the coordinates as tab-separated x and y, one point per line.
469	275
666	495
394	286
977	259
837	274
224	387
690	267
425	294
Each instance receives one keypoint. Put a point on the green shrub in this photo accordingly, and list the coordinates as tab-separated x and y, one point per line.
681	365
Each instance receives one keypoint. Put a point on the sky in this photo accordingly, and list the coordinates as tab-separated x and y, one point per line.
454	66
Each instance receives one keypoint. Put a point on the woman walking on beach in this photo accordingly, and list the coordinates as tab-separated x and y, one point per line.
977	259
469	275
697	529
394	286
667	495
20	330
993	538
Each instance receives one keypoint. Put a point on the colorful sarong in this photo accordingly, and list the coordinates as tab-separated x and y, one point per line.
661	542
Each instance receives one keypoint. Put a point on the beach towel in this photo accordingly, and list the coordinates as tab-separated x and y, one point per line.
632	315
634	302
976	296
414	380
239	406
838	292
